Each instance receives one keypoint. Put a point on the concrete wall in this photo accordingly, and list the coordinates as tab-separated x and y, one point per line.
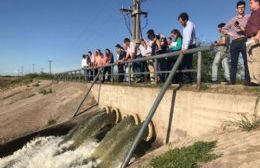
194	113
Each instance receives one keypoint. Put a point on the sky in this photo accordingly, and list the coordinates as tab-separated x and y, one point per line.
35	31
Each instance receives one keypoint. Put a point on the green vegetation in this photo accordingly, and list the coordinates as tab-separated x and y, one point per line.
186	157
36	85
245	123
45	91
12	81
254	90
51	121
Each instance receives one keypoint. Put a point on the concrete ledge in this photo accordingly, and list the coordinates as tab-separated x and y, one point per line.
194	113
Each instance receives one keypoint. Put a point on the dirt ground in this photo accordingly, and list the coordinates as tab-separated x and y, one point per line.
27	108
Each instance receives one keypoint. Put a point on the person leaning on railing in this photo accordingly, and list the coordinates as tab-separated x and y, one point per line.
253	46
120	62
155	45
188	42
175	46
107	59
146	51
84	66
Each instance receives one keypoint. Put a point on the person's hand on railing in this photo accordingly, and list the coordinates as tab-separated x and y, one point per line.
183	51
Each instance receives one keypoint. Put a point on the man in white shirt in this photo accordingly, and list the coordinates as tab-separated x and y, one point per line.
133	53
84	66
189	42
146	51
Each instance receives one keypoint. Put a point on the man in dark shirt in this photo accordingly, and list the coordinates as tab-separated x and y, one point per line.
253	46
121	54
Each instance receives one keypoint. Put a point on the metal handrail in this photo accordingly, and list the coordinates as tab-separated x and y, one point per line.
92	84
152	111
165	55
143	59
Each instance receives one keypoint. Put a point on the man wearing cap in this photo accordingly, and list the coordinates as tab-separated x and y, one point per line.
253	46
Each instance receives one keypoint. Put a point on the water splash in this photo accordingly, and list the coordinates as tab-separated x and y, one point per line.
40	153
79	148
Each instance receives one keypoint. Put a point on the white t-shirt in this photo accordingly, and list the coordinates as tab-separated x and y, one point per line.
84	63
145	51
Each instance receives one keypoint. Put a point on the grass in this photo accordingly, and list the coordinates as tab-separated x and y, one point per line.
36	85
254	90
186	157
51	121
244	123
12	81
45	91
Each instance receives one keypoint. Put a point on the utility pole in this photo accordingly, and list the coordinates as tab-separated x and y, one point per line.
50	61
33	68
21	70
41	70
136	13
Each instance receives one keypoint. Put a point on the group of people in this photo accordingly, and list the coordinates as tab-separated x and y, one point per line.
243	30
154	44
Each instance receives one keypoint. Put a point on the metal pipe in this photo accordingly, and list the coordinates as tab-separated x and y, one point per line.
92	84
152	112
129	73
155	71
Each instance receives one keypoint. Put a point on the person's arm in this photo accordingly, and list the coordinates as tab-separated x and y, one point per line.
158	44
222	41
227	27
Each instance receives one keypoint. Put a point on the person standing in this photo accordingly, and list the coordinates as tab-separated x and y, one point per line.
146	51
121	54
154	43
235	28
175	46
253	46
188	42
221	56
108	59
84	66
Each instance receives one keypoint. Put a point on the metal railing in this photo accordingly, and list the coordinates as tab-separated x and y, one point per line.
88	74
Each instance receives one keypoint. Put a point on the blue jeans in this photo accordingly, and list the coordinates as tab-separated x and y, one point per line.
220	57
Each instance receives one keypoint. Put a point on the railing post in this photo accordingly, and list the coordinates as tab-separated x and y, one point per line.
199	69
155	71
112	74
129	72
79	75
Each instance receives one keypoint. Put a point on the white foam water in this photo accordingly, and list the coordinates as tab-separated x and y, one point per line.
42	153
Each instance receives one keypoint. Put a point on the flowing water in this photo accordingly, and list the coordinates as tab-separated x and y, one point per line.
88	145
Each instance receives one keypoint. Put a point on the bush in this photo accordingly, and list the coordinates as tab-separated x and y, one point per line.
36	85
51	121
45	91
245	123
186	157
